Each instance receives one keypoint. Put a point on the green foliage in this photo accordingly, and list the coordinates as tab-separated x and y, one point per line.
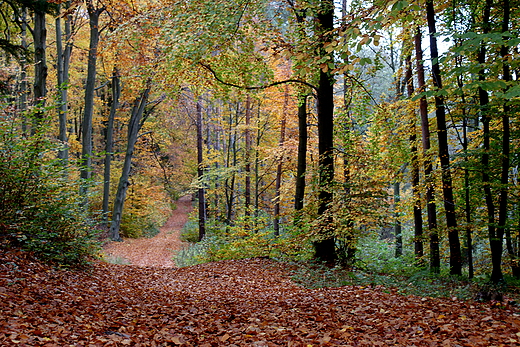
40	209
248	237
190	231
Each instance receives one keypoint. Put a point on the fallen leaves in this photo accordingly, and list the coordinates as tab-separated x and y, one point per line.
232	303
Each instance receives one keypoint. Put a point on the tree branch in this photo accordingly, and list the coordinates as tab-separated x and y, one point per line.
213	72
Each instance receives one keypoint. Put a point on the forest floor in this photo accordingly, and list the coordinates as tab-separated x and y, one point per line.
249	302
156	251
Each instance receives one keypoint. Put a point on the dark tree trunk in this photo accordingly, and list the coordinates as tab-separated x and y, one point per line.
134	125
494	240
40	63
248	157
278	183
444	156
86	125
63	61
417	211
397	226
506	138
109	143
431	207
325	246
302	154
200	174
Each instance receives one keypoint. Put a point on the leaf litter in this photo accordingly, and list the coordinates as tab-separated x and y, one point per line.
249	302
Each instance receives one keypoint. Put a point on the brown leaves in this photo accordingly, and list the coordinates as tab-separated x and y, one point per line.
231	303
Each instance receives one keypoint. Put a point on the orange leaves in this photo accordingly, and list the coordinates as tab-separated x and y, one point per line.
231	303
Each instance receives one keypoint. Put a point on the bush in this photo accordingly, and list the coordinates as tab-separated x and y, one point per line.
40	209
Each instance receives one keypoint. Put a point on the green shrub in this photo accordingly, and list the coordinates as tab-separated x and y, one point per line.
40	208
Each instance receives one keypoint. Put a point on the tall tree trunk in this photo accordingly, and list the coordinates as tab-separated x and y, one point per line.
278	183
417	210
248	157
200	174
86	125
494	240
299	195
40	63
506	138
23	87
431	207
397	225
109	142
63	61
134	125
444	156
324	247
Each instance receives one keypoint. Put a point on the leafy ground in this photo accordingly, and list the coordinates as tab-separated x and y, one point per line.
251	302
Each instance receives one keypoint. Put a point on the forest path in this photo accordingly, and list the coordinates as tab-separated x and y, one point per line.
159	250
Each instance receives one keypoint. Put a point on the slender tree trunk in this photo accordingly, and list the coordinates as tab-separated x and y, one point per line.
417	211
23	87
248	157
40	63
494	240
435	261
278	183
200	174
302	154
506	138
63	61
134	126
324	247
397	226
86	125
444	156
116	92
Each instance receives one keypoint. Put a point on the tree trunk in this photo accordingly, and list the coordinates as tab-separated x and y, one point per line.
63	62
86	125
109	142
302	154
134	126
278	183
431	207
23	87
40	64
324	247
506	136
444	156
248	157
200	174
417	211
397	226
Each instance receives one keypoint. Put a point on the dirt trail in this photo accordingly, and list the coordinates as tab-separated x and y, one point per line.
157	251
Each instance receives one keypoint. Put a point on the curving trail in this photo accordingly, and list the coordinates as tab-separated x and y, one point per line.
159	250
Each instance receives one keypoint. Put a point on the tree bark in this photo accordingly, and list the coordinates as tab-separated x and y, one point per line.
278	183
248	157
442	135
109	142
302	154
200	174
86	125
506	138
40	64
63	62
134	125
431	207
417	210
324	247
